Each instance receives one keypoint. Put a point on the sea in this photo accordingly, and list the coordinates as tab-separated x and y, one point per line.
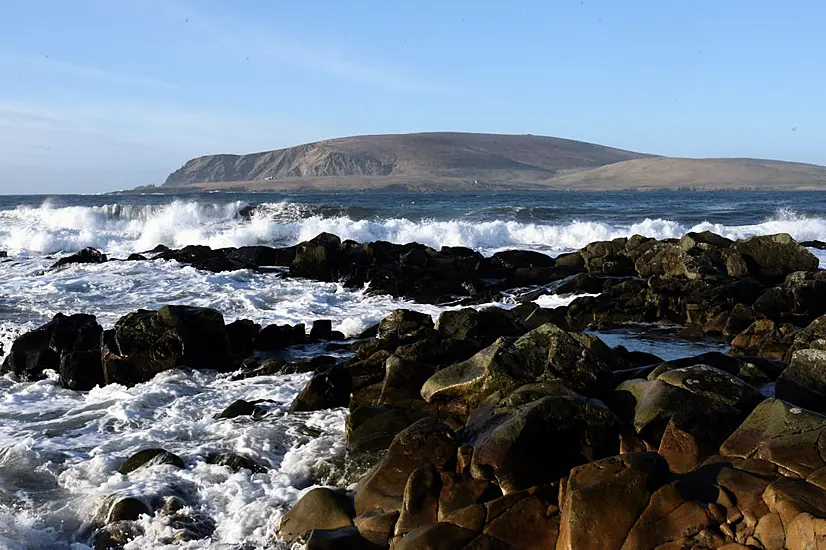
60	449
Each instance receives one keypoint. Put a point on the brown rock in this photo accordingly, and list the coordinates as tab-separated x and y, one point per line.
622	485
426	441
378	527
420	504
804	380
319	509
442	536
770	532
528	524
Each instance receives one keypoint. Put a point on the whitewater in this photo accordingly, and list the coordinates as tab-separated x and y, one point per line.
59	449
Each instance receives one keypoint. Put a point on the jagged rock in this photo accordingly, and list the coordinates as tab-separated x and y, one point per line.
666	259
68	344
763	338
804	380
144	343
426	441
540	441
318	258
261	256
150	457
241	408
806	337
530	520
607	258
772	257
323	509
202	257
697	240
622	484
85	256
484	325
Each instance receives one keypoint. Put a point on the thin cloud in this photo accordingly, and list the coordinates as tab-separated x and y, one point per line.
47	64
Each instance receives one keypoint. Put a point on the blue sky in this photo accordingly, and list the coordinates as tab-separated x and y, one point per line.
97	95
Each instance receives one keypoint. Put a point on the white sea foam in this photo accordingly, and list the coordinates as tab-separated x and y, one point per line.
120	229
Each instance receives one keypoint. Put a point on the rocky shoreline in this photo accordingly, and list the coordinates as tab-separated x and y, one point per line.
511	428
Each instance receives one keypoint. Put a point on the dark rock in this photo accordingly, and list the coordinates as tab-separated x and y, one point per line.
820	245
345	538
261	256
804	381
420	503
241	408
320	508
326	390
693	240
403	380
71	341
377	528
426	441
150	457
235	462
318	258
85	256
484	325
517	259
404	325
115	536
763	338
442	536
241	334
275	337
135	257
541	441
772	257
371	429
202	257
144	343
322	329
128	509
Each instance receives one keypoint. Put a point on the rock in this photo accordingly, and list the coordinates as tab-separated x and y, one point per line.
484	326
134	257
235	462
667	259
371	429
459	492
115	536
203	258
806	337
322	329
377	528
404	325
764	338
144	343
150	457
518	259
261	256
241	408
127	509
531	522
344	538
275	337
85	256
738	320
403	380
426	441
714	385
71	341
607	258
326	390
697	240
318	258
420	503
442	536
321	508
801	508
241	334
772	257
541	441
804	380
781	434
622	484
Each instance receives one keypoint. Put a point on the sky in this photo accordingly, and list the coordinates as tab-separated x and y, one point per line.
99	95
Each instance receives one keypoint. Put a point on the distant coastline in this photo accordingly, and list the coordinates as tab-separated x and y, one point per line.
443	162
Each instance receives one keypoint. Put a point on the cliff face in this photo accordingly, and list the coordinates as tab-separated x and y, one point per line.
436	155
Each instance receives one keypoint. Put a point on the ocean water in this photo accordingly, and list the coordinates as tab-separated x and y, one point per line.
59	449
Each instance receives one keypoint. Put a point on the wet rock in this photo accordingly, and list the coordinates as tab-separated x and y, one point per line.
772	257
134	257
128	508
324	509
241	334
377	528
318	258
85	256
345	538
420	502
275	337
803	383
484	325
371	429
150	457
322	329
541	441
261	256
326	390
403	380
426	441
70	341
608	258
694	240
235	462
241	408
202	257
667	259
622	484
115	536
763	338
442	536
801	508
516	259
404	325
144	343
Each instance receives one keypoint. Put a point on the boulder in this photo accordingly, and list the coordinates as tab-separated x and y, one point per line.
116	535
801	510
442	536
322	508
540	441
404	325
669	260
318	258
403	380
144	343
275	337
804	380
68	344
326	390
518	259
694	240
235	462
241	407
608	258
420	504
241	335
150	457
484	325
85	256
772	257
426	441
604	500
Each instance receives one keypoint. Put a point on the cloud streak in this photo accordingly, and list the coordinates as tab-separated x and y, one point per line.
47	64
